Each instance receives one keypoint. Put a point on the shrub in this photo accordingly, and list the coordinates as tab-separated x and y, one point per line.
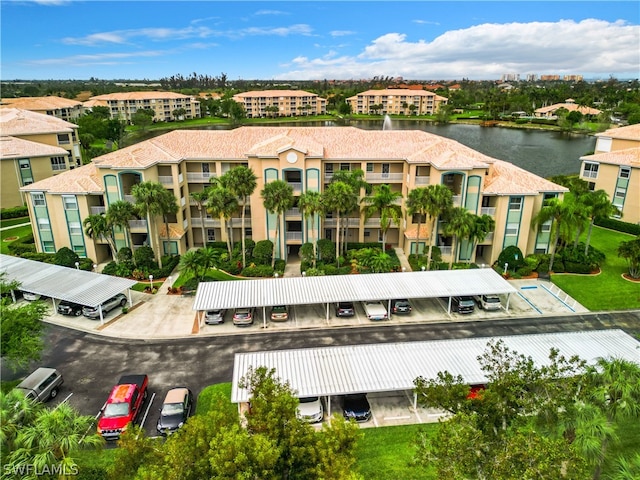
125	269
110	268
139	274
22	245
66	257
513	256
314	272
190	284
144	257
326	250
14	212
39	257
618	225
124	254
280	265
262	252
86	264
331	270
169	263
258	271
543	264
249	245
306	253
524	271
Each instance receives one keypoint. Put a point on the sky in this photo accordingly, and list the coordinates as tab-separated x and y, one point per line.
336	40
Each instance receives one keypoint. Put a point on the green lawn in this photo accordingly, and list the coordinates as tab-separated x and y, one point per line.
608	290
12	232
8	222
211	273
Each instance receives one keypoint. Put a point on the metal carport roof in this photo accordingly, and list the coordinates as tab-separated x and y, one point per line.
394	366
349	288
62	283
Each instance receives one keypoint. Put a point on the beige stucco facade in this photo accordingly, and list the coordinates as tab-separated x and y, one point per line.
33	146
281	103
396	101
185	161
62	108
615	168
123	105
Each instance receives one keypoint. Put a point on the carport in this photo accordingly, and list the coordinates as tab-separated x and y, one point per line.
63	283
326	290
327	371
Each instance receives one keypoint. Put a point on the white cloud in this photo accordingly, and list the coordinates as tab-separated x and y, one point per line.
341	33
299	29
486	51
271	12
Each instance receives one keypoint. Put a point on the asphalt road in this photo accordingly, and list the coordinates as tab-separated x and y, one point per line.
92	364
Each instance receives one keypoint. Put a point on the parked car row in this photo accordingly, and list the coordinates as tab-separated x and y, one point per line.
354	406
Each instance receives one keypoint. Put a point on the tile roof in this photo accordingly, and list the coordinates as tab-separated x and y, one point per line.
412	232
16	121
174	231
629	157
13	147
275	93
630	132
40	103
95	103
139	96
329	143
83	180
570	107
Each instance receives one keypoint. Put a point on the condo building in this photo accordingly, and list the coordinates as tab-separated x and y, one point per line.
62	108
615	168
396	101
281	103
33	146
185	161
123	105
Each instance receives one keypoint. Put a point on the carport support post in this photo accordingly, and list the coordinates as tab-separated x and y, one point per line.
508	298
264	317
327	315
415	401
449	307
55	308
389	309
101	316
130	299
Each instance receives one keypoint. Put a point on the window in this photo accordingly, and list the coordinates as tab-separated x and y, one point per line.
369	167
24	163
512	229
546	227
75	228
590	170
625	172
592	186
63	139
58	163
43	224
211	235
515	203
345	166
38	199
79	249
48	246
69	202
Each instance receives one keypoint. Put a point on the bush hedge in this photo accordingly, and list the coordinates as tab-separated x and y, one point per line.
618	225
22	245
14	212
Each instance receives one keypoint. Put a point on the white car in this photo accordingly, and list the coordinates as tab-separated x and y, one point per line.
30	297
310	409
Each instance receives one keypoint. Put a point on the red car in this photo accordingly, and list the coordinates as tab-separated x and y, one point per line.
123	406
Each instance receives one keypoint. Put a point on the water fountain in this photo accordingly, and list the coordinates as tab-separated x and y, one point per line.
386	124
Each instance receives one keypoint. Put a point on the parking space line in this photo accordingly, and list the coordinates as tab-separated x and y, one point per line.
530	303
144	418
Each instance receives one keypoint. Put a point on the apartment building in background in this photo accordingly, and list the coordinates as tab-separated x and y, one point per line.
185	161
281	103
123	105
33	146
570	105
62	108
396	101
615	168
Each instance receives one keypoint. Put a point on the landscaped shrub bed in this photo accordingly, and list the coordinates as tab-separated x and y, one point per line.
618	225
22	245
14	212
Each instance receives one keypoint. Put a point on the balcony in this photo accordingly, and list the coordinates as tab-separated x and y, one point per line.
457	200
488	211
138	226
292	212
200	177
590	174
422	180
374	222
351	222
297	186
293	237
165	179
215	222
445	250
383	177
487	239
97	210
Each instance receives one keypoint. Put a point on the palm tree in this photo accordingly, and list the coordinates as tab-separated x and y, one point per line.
277	197
598	205
355	179
16	410
190	262
439	201
208	258
460	224
201	202
310	204
169	206
383	201
242	182
149	202
575	218
118	215
96	227
53	438
482	226
417	205
553	211
339	197
630	251
222	203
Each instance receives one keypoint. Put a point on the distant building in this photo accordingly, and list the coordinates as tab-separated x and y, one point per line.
396	101
615	168
532	77
510	77
33	146
281	103
185	161
123	106
570	105
548	78
62	108
573	78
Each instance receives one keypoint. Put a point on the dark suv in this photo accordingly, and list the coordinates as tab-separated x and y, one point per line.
401	305
69	308
463	304
345	309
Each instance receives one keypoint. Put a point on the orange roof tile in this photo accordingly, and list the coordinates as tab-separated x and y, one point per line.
12	147
629	157
630	132
40	103
275	93
139	96
83	180
411	232
506	179
16	122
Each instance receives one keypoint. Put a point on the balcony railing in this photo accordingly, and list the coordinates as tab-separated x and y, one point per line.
374	222
383	177
294	236
488	238
97	210
215	222
351	222
457	200
445	249
292	212
200	177
297	186
137	225
422	180
590	174
165	179
488	211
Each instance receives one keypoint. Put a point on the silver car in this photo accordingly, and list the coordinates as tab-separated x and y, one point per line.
214	317
94	312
